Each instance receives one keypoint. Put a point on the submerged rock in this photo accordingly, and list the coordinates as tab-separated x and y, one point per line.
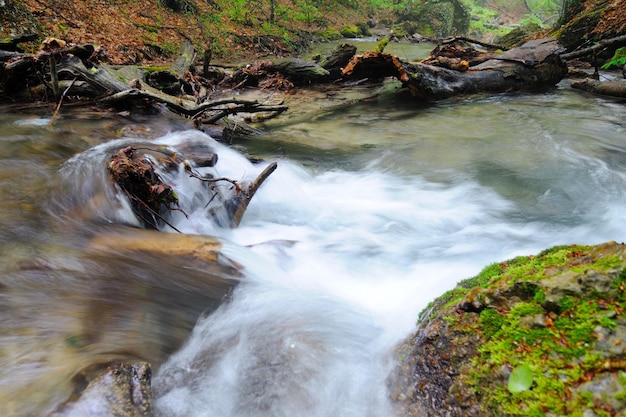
123	390
559	313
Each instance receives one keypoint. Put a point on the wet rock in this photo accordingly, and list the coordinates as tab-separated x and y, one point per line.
123	390
560	313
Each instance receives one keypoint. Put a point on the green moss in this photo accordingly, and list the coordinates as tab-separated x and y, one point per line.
618	59
330	34
519	269
491	322
349	31
558	346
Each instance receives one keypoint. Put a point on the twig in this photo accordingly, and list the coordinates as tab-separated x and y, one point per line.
56	111
192	174
470	40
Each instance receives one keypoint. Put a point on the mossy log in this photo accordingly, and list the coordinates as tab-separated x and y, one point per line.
536	65
604	43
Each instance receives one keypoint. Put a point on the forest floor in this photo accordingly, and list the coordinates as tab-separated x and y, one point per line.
138	32
133	32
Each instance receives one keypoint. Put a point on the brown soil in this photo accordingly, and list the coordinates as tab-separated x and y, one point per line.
133	31
613	20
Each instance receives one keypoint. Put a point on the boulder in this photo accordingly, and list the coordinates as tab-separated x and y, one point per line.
558	313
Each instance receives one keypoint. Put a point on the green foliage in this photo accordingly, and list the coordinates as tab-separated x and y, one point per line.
618	59
382	44
520	379
548	352
349	31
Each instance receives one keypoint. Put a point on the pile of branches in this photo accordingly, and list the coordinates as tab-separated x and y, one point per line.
136	173
62	73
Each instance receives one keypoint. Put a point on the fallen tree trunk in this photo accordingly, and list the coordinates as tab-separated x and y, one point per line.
619	40
70	70
613	88
535	65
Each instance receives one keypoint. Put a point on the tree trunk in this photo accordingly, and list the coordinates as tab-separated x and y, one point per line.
614	88
533	66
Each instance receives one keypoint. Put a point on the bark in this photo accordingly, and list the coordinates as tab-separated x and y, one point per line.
240	203
339	57
613	88
299	69
533	66
617	41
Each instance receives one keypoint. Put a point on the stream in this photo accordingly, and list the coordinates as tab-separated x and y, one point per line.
378	206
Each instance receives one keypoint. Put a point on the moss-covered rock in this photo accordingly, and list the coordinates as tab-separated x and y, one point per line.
580	29
350	31
559	313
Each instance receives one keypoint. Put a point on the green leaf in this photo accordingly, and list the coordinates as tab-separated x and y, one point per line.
520	379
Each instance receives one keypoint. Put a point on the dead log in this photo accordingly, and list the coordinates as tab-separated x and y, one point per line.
339	57
10	43
298	69
618	41
189	108
535	65
613	88
240	203
455	39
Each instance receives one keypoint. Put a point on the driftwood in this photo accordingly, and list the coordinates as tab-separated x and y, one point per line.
535	65
72	71
613	88
60	71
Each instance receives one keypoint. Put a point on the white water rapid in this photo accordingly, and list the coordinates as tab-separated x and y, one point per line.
339	264
378	206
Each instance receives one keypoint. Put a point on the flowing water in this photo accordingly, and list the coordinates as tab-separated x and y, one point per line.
378	205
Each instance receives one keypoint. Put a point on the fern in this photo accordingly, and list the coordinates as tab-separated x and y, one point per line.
618	60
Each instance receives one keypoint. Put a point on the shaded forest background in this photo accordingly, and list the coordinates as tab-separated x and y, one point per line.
137	31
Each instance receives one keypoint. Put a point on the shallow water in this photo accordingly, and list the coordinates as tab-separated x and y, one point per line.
378	205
